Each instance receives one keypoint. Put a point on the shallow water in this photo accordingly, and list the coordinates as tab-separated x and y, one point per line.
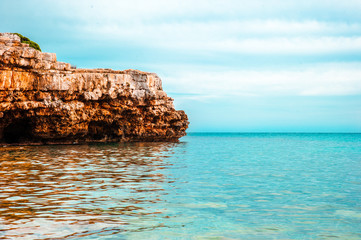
208	186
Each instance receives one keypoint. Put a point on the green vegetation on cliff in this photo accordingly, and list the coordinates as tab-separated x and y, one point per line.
28	41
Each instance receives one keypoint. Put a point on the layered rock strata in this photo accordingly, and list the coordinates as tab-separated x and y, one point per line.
43	101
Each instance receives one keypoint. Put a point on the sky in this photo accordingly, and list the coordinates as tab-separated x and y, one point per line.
232	65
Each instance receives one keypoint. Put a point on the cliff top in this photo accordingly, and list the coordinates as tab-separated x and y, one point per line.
21	54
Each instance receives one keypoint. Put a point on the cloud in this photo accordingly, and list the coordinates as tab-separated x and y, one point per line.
143	10
246	37
277	46
321	80
237	27
226	29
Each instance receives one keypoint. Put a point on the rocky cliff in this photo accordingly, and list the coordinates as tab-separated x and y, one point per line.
43	101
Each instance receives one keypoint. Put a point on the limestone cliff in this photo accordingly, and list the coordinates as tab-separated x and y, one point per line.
43	101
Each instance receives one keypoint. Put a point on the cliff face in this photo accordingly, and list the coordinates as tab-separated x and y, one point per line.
43	101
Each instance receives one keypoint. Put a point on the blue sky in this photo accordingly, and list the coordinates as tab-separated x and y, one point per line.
232	65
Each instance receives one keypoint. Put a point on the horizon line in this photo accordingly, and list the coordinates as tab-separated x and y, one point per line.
241	132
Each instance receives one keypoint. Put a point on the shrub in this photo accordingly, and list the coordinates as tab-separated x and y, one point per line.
28	41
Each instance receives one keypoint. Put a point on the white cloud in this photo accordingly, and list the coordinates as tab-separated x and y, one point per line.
329	80
242	37
145	10
225	29
277	46
229	26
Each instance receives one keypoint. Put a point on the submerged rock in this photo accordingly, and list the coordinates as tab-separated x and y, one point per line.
43	101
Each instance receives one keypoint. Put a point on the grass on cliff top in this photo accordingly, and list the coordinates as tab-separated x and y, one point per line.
28	41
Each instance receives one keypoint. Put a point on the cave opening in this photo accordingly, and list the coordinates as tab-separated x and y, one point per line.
96	130
99	130
17	131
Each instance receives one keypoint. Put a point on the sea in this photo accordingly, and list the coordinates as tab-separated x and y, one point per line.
207	186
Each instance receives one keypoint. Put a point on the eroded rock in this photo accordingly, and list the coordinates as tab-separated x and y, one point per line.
43	101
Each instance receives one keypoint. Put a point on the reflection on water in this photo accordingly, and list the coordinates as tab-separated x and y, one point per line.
215	186
76	191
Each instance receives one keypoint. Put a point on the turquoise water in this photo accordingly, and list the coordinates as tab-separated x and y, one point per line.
208	186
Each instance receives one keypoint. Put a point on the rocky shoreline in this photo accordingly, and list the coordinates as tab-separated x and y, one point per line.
43	101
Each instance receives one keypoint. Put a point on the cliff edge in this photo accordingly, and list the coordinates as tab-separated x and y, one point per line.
43	101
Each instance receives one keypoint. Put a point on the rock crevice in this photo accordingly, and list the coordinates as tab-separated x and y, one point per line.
43	101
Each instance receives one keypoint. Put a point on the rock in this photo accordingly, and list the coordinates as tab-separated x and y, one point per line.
10	36
45	101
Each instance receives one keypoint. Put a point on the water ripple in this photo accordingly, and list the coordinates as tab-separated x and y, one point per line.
67	191
220	186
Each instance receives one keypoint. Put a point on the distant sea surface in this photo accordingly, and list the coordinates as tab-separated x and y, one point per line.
208	186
